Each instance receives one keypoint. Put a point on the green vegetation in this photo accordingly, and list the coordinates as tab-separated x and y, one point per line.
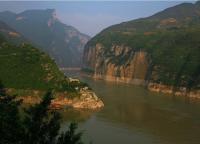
37	124
62	42
23	67
171	38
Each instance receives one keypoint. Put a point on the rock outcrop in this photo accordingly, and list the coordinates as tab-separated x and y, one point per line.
120	64
42	28
160	51
86	99
166	89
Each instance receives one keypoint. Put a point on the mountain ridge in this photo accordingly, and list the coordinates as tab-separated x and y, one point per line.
162	49
27	72
62	42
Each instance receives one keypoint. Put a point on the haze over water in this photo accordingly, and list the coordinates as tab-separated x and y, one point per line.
134	115
163	48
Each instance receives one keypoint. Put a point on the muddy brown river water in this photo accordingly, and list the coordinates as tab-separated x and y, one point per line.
133	115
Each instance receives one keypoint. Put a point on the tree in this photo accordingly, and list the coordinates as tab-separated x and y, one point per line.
41	125
38	125
11	130
70	136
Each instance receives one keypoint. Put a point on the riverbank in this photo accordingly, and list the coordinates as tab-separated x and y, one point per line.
166	89
126	80
133	114
154	87
85	99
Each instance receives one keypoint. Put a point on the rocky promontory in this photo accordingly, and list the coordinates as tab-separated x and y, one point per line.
85	99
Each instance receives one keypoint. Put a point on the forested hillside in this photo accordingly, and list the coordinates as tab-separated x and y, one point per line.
163	48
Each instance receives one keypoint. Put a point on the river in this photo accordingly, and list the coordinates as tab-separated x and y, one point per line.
133	115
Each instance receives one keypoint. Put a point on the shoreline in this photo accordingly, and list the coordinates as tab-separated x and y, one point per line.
153	87
166	89
86	99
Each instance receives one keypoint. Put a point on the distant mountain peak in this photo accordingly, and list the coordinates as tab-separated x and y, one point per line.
39	11
8	13
43	28
38	14
198	2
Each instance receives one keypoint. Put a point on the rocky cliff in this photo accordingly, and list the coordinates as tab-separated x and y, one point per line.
161	51
86	99
62	42
120	64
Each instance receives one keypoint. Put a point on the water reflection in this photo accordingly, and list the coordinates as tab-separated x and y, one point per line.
78	115
135	115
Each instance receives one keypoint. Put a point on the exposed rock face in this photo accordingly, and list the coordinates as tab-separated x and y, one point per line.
120	64
42	28
182	91
86	100
160	51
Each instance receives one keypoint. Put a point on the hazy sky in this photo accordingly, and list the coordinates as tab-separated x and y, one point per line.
92	17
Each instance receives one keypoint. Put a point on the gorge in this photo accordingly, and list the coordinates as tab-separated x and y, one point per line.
136	82
27	72
44	30
160	52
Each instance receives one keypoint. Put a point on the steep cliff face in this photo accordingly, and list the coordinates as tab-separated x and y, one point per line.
119	64
161	51
62	42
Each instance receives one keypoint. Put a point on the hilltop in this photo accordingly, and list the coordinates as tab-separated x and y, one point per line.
161	51
44	30
29	73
